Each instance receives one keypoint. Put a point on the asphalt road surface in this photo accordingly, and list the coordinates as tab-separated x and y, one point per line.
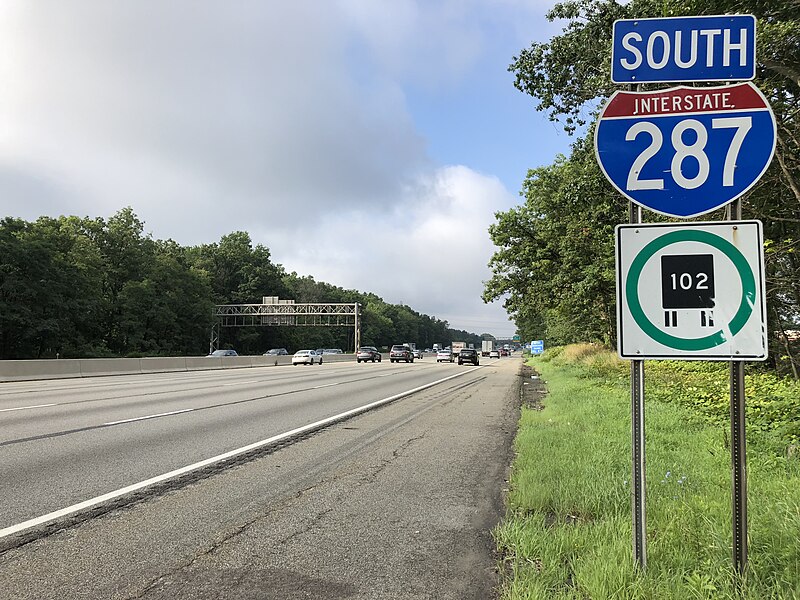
395	502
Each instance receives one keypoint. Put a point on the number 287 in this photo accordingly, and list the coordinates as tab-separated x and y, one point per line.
695	150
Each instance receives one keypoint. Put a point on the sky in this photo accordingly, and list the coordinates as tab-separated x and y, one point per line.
366	143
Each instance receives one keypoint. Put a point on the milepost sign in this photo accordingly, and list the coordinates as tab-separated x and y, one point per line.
691	291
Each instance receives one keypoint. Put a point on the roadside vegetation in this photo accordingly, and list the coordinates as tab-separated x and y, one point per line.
568	530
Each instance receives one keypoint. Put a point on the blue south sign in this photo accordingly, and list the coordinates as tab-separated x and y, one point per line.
682	49
684	151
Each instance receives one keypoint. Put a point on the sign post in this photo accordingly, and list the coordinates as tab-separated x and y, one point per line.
638	441
683	152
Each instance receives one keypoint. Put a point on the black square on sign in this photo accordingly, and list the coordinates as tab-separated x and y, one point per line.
687	281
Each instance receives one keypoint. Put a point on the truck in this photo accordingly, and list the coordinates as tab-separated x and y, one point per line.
413	347
486	347
456	347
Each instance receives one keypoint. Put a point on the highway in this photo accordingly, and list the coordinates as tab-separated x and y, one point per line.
77	454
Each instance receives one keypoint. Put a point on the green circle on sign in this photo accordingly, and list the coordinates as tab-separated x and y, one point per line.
690	235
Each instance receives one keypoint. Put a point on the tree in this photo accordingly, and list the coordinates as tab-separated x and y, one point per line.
239	273
569	77
50	289
168	311
556	259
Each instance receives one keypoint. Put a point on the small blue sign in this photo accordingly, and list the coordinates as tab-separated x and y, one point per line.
683	49
684	151
537	346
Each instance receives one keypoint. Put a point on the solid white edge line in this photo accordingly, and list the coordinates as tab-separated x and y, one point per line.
27	407
166	414
210	461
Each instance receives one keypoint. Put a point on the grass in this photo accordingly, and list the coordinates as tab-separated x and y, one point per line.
567	533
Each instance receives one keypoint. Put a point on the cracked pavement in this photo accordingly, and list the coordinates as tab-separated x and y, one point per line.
395	503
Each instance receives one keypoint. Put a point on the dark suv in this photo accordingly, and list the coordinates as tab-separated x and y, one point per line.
398	353
468	355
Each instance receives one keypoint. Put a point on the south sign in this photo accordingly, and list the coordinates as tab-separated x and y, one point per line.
681	49
685	151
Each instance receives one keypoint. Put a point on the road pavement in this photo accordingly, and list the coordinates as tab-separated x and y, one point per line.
398	502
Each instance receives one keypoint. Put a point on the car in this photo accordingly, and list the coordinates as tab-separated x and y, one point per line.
469	355
494	354
444	356
277	352
417	353
366	353
306	357
332	351
504	352
228	352
401	352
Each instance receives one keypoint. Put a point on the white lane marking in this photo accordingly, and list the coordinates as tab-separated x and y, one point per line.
174	412
12	529
319	387
242	382
27	407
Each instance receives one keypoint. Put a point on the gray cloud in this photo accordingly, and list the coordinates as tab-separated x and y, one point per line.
287	120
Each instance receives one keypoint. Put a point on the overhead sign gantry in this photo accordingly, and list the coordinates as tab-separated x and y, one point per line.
273	312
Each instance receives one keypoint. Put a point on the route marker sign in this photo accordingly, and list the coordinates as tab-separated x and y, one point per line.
692	291
684	151
698	48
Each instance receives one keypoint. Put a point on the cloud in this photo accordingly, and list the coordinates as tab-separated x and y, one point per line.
288	120
432	255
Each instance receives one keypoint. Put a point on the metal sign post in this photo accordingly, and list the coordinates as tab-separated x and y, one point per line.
638	442
738	450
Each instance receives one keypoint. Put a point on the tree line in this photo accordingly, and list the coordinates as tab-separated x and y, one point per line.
76	287
554	262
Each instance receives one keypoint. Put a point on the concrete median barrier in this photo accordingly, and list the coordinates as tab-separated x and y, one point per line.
203	363
109	366
31	370
22	370
162	365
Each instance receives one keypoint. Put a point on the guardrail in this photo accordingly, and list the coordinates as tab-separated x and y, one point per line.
65	368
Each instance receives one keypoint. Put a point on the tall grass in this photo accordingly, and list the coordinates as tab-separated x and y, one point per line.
568	529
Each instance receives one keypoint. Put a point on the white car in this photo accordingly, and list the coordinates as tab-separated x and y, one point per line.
494	354
444	356
306	357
